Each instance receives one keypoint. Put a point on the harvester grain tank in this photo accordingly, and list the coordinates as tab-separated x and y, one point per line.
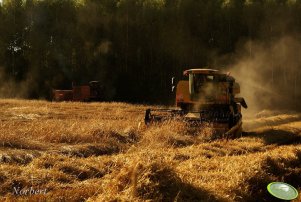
207	96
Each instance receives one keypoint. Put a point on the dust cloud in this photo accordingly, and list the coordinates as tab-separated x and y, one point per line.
12	89
269	74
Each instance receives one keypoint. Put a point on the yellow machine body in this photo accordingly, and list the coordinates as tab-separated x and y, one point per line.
207	96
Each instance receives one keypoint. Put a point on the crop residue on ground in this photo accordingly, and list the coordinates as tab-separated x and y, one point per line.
103	152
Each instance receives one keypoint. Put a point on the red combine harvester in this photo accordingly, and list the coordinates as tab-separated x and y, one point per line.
86	93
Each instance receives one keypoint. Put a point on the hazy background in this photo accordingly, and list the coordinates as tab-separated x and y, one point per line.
269	73
134	47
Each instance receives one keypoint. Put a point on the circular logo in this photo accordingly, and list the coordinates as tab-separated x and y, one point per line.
282	191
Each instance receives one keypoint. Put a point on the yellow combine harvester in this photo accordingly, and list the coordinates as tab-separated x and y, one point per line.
207	97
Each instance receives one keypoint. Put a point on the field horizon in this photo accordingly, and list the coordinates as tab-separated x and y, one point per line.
70	151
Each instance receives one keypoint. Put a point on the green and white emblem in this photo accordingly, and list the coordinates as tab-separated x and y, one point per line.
282	191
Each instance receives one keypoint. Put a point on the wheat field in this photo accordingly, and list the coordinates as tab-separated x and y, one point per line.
104	152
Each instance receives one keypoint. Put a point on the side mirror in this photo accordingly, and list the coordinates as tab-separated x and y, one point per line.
172	80
173	84
173	88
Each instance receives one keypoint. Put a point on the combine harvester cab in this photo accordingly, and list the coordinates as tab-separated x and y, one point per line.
208	96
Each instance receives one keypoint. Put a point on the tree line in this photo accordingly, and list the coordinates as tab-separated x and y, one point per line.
133	47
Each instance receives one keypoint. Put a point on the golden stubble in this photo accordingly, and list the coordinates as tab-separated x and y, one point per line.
104	152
